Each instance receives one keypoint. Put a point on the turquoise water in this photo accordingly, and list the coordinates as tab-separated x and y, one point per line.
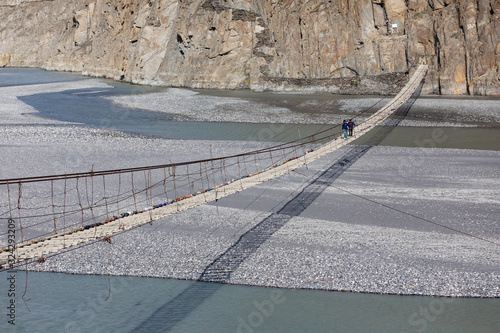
24	76
436	137
89	108
77	303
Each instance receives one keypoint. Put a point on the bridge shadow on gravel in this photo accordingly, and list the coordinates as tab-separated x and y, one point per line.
220	270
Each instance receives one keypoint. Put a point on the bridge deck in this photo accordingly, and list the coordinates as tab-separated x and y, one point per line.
53	244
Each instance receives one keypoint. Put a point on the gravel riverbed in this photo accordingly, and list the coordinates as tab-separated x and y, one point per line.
357	241
340	242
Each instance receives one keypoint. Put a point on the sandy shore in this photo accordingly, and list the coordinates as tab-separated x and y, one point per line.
339	242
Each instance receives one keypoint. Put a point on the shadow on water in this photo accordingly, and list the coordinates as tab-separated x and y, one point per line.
220	270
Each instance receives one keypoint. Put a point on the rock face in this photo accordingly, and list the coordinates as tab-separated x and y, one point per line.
345	46
4	59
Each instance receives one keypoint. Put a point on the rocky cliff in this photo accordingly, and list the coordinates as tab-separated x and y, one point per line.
346	46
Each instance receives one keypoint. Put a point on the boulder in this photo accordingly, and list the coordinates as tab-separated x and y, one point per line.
4	59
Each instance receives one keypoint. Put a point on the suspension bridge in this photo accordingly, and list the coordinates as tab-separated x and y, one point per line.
47	215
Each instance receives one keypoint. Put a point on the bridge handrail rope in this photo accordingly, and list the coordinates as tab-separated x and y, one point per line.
75	194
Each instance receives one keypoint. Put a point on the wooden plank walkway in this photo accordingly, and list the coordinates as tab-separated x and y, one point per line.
42	248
